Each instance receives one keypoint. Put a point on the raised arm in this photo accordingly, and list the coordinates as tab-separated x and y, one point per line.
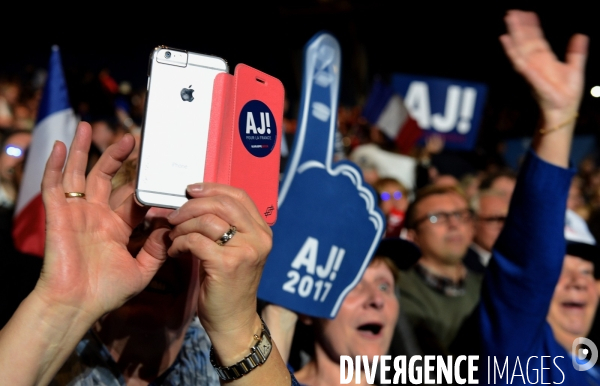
229	274
87	269
528	255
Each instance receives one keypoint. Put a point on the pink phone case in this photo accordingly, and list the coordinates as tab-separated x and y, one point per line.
245	136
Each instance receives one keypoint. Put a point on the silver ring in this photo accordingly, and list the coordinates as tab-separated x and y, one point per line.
227	236
74	195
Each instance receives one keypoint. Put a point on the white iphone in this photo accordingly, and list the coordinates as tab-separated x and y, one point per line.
175	126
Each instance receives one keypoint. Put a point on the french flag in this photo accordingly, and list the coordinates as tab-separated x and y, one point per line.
56	121
386	110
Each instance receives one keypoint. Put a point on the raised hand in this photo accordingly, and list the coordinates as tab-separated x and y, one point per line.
558	85
229	273
87	263
87	269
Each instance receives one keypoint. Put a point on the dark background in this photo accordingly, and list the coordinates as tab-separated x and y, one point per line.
377	38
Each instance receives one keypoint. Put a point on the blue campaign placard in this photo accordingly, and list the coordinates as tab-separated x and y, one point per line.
258	129
329	223
448	107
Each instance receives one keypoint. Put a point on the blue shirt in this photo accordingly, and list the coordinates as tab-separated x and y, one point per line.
91	364
519	284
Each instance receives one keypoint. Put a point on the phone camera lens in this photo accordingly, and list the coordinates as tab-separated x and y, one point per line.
168	54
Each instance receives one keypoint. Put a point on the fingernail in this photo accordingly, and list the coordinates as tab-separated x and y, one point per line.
195	188
173	214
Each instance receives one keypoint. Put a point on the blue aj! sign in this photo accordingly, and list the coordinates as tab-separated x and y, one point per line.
449	107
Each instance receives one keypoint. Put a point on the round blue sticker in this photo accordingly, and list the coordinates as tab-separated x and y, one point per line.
258	129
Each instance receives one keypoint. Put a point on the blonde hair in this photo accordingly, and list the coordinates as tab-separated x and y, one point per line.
126	174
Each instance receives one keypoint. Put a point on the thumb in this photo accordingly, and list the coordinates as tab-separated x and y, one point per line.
154	253
577	51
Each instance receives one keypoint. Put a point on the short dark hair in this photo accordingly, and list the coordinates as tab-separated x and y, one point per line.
488	181
7	133
427	191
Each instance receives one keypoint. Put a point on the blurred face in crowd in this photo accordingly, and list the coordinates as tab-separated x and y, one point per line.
575	200
11	93
443	227
445	180
392	196
504	184
169	301
370	175
366	320
575	298
13	154
102	135
490	220
470	185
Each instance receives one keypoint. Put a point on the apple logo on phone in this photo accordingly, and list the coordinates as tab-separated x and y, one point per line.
186	94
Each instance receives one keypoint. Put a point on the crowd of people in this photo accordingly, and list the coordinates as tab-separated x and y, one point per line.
493	262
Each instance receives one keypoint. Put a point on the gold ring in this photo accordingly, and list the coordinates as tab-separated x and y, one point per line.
74	195
227	236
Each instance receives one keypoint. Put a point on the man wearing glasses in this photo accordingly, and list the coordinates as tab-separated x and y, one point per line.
439	292
490	208
13	147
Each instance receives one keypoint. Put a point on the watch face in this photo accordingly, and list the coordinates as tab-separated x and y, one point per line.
265	346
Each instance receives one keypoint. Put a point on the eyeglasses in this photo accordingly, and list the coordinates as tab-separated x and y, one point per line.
497	220
13	151
385	196
462	216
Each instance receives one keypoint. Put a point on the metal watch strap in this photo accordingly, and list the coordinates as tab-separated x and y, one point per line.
250	362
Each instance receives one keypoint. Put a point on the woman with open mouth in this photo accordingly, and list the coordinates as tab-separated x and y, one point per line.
363	326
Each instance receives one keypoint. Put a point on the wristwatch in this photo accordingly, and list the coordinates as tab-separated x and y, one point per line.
259	354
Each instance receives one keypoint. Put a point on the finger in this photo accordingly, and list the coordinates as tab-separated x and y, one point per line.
98	182
52	190
153	254
195	243
74	174
241	250
318	107
577	51
131	212
213	227
227	205
228	210
527	35
510	51
523	26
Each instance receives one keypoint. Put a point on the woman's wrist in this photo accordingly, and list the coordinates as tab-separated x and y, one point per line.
231	346
558	119
49	331
60	316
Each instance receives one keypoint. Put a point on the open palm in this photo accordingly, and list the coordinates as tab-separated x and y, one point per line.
558	85
87	263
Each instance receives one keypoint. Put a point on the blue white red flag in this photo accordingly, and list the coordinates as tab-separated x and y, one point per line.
385	109
56	121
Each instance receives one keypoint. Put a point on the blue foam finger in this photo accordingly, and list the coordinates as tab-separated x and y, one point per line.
329	223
